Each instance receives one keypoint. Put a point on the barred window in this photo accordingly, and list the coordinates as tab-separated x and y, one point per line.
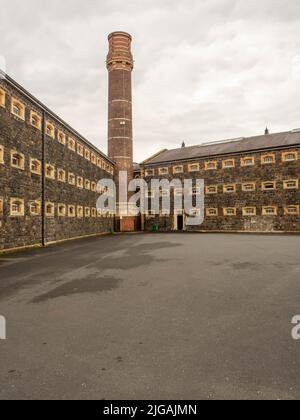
229	211
269	185
80	149
18	109
1	154
50	171
177	169
35	120
35	208
249	186
229	163
194	167
163	171
211	212
211	165
87	154
71	179
61	175
71	144
231	188
61	137
211	189
269	211
50	130
249	211
268	159
291	210
291	184
35	166
149	172
247	161
61	208
79	211
49	209
79	182
289	156
16	207
71	210
17	160
2	98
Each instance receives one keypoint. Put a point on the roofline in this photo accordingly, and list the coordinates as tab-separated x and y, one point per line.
153	156
33	99
289	146
120	33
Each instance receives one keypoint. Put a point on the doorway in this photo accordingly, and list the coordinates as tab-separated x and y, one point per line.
179	222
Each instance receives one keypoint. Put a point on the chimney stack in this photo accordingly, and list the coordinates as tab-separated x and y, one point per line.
267	131
120	137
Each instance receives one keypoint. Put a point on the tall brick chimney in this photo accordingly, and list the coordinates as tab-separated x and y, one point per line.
120	142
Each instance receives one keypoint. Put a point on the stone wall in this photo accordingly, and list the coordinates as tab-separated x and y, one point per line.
280	198
20	135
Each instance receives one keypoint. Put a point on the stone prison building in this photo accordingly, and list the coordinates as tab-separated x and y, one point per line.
49	172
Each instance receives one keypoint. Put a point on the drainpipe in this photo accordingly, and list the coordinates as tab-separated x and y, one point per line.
43	180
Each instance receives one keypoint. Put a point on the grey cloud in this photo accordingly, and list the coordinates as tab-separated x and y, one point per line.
204	70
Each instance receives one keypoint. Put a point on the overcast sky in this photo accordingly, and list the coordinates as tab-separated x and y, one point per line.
204	69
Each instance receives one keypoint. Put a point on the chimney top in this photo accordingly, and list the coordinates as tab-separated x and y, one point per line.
267	131
183	145
119	55
120	33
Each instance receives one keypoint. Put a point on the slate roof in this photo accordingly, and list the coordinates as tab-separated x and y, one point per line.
227	147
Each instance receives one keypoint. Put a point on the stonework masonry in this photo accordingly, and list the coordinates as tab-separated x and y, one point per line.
260	196
61	207
120	133
49	172
120	65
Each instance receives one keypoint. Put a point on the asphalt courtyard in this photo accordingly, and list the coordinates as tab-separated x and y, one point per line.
154	316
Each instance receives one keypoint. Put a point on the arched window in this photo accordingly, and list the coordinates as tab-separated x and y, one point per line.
269	211
1	154
16	207
72	144
61	210
79	212
17	160
50	131
50	171
35	120
17	109
35	166
71	179
35	208
71	211
61	138
49	209
268	159
61	175
2	98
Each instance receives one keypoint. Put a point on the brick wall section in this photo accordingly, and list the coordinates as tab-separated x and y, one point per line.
15	183
259	173
119	66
